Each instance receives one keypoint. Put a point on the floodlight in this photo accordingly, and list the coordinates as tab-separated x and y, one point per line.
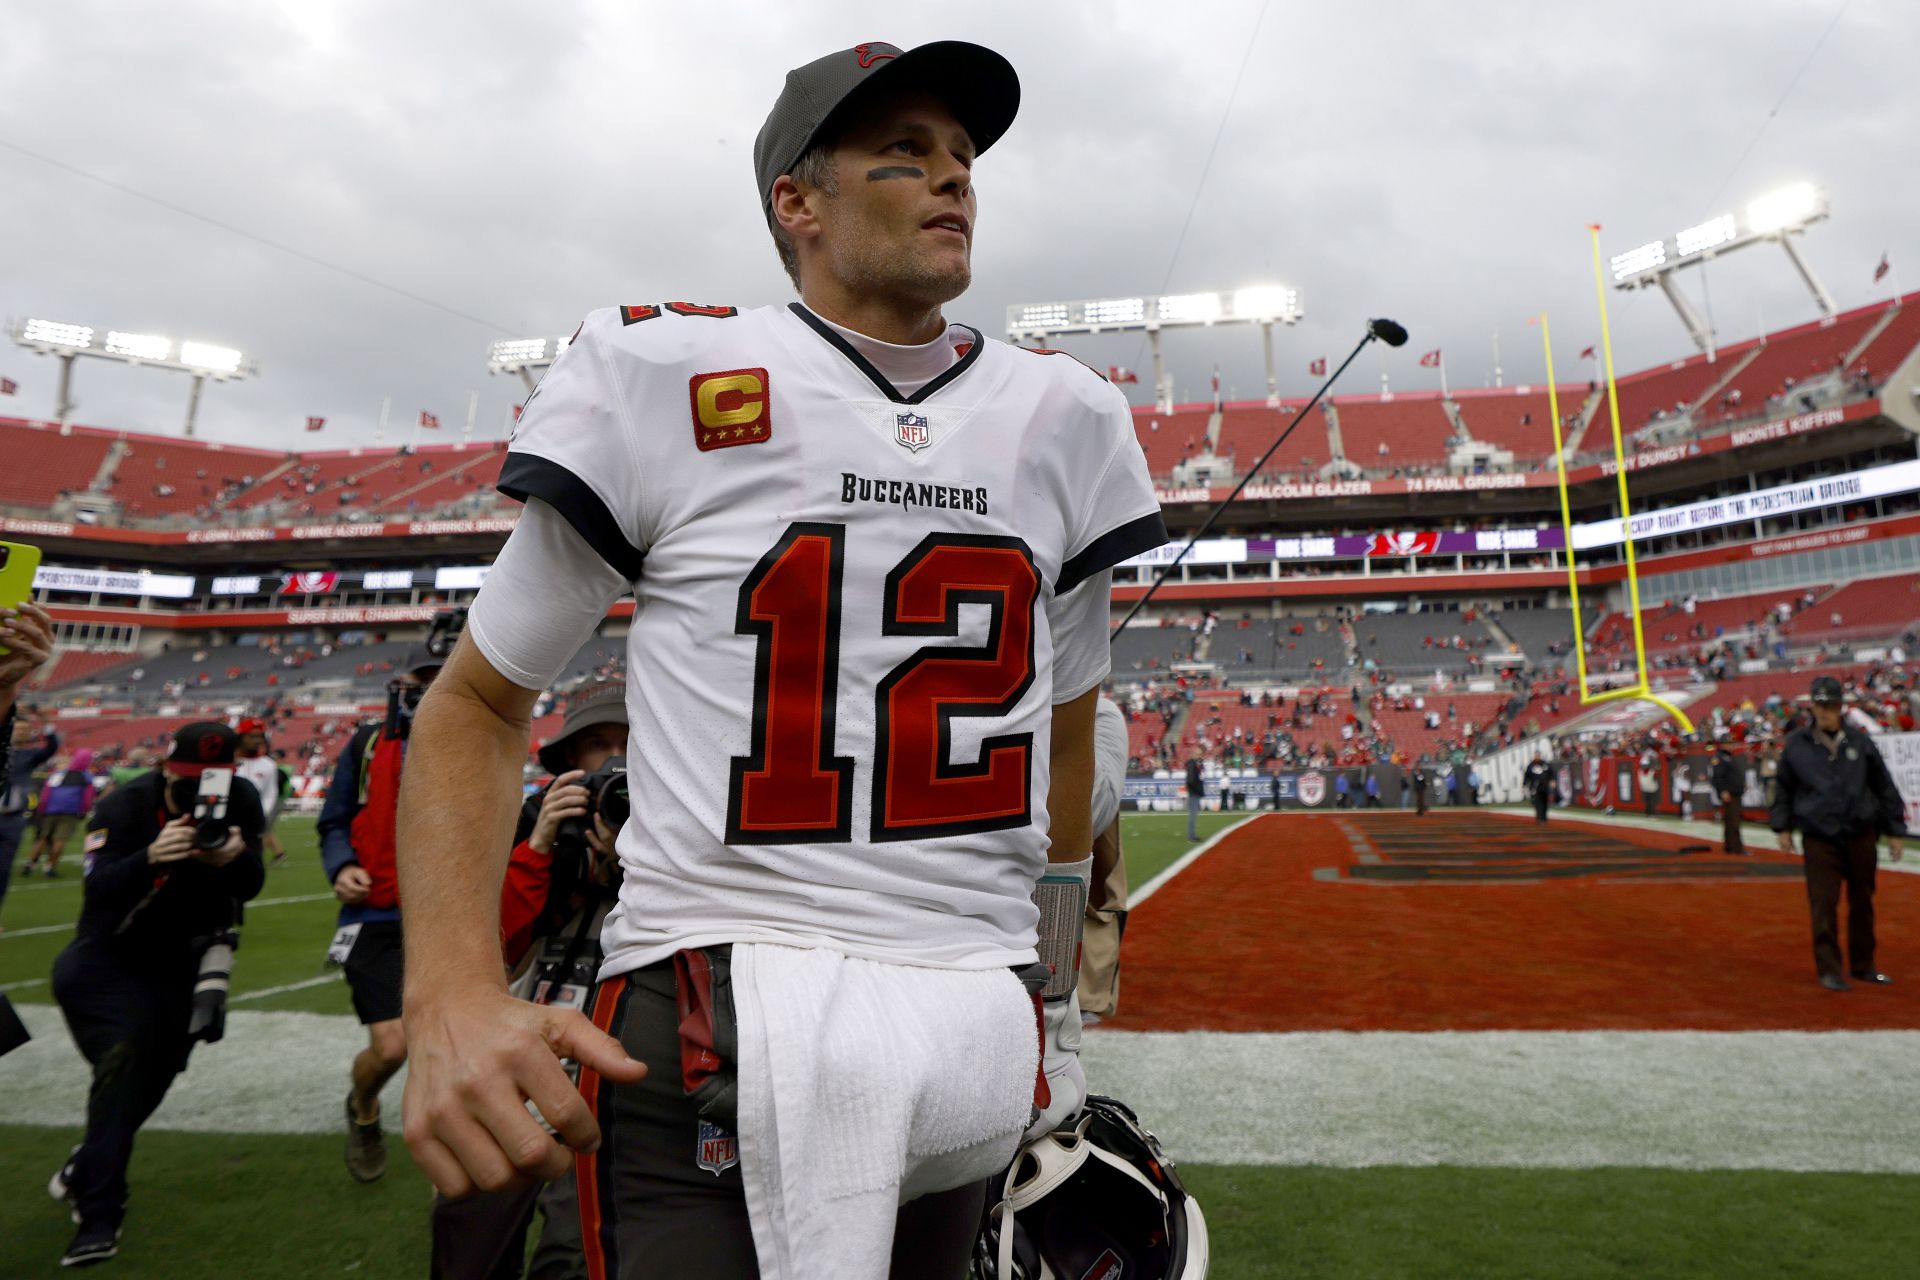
1190	307
1635	261
204	355
1045	313
1778	210
1263	302
1710	234
1116	311
53	334
138	346
516	351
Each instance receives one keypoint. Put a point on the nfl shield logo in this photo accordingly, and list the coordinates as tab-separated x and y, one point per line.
910	430
1313	788
715	1149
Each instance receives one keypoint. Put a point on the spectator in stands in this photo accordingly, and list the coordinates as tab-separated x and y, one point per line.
1649	784
357	842
1834	787
27	631
65	802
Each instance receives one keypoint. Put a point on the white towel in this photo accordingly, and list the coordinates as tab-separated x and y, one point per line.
864	1085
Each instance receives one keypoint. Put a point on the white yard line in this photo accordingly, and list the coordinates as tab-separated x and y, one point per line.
23	983
251	906
302	985
1186	860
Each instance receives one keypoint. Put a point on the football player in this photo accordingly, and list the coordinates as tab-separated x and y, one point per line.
870	553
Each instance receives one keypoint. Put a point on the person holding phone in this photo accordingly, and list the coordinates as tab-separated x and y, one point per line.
26	639
160	884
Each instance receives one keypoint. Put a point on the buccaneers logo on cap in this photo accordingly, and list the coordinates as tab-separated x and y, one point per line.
873	52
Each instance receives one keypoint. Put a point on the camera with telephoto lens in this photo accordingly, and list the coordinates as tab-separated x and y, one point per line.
606	798
210	808
209	1019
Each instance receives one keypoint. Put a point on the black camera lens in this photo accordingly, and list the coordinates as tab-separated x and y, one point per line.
211	833
614	806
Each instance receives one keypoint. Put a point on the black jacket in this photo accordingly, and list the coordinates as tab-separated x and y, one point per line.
1834	795
1539	779
158	910
1729	778
1195	785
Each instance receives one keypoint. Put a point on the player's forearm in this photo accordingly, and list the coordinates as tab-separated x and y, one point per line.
1070	793
458	798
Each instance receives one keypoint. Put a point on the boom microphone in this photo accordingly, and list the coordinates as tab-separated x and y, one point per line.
1385	331
1388	332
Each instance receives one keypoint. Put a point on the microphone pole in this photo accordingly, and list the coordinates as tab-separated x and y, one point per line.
1386	331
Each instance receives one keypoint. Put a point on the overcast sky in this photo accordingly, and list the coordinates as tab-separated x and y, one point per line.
521	164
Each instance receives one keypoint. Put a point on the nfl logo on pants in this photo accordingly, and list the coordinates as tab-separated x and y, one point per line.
715	1150
910	430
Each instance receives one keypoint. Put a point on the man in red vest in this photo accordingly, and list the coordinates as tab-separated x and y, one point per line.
356	846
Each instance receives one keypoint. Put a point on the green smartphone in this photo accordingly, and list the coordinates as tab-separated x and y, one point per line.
18	561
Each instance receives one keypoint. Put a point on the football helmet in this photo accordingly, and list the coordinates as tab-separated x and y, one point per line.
1095	1200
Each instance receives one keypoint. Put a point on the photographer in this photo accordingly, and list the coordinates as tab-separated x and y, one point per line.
356	830
561	880
162	894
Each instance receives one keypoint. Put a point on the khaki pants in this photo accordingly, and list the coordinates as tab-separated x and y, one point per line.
1106	922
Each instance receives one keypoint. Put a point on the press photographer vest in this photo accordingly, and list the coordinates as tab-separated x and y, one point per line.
375	827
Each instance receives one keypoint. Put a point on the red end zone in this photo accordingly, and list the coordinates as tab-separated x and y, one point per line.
1470	921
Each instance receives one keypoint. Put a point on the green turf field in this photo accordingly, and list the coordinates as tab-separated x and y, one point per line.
272	1206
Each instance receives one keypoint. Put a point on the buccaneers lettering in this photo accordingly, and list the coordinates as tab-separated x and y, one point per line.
912	493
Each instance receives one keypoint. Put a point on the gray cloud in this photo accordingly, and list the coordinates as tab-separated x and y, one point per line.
522	165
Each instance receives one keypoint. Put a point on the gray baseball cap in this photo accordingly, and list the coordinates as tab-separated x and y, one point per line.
978	85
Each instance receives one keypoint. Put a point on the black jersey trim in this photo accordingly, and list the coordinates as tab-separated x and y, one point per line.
1110	548
527	476
879	379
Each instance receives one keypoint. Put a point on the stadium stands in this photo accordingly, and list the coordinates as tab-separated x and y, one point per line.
1880	607
1540	633
1144	647
1670	390
453	481
1661	619
1408	731
1886	352
318	480
1414	429
74	666
42	464
1411	643
1245	434
1788	359
1511	420
1275	648
159	476
1167	438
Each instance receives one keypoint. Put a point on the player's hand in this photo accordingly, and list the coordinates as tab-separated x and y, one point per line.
475	1057
226	853
1786	842
563	800
1060	1025
174	843
1895	849
27	630
352	885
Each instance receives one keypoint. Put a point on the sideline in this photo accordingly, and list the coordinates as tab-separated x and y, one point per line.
302	985
1187	859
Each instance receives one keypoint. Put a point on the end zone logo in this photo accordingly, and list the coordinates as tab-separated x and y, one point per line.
1313	788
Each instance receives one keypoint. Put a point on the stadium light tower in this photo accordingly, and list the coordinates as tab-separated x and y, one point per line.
200	360
525	356
1777	216
1261	304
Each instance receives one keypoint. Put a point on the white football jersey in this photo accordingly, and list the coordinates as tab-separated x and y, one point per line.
840	671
